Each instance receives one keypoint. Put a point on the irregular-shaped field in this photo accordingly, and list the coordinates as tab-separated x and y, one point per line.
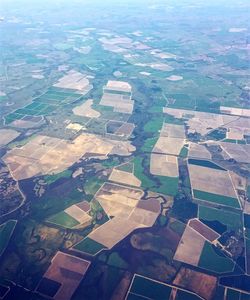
63	276
46	155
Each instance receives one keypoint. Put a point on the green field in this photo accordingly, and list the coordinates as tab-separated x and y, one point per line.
115	260
139	173
149	289
53	178
127	167
205	163
45	104
169	185
233	295
185	295
63	219
182	101
247	225
184	152
217	199
177	226
212	261
92	185
6	231
154	125
166	185
89	246
236	295
149	144
232	220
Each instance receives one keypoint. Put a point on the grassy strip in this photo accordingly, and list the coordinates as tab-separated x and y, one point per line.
215	198
205	163
53	178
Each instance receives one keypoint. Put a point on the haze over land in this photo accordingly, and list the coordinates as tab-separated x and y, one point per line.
124	150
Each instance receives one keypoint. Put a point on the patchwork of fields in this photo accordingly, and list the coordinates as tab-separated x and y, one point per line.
125	150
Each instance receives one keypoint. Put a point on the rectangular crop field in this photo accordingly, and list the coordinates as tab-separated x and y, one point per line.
232	220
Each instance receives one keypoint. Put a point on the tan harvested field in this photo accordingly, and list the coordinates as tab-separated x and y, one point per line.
124	178
145	73
164	165
237	29
186	252
167	145
126	129
239	182
7	135
77	213
113	208
171	140
200	122
173	131
143	214
204	125
162	55
120	86
67	270
28	124
161	67
120	103
235	111
198	151
112	96
46	155
239	152
113	231
113	48
235	133
133	193
118	200
240	122
86	110
118	40
74	80
75	126
174	78
204	230
202	284
219	181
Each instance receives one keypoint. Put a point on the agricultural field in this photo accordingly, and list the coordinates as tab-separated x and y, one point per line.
232	220
234	294
126	212
46	104
57	283
124	150
220	189
74	216
142	287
